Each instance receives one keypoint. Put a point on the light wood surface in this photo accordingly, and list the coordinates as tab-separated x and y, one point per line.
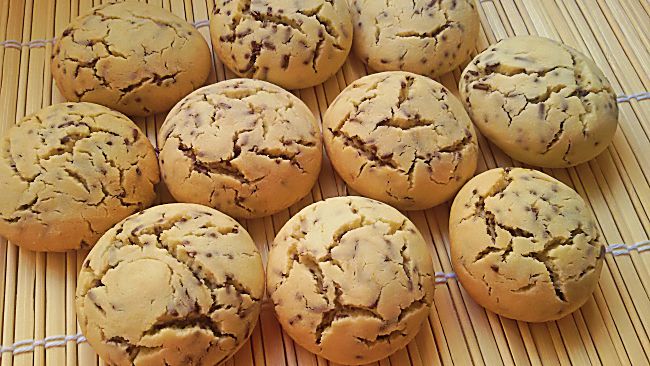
37	289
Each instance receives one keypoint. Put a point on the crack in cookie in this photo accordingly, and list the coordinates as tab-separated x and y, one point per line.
510	245
202	279
247	147
277	40
77	166
405	130
432	34
542	102
320	284
93	62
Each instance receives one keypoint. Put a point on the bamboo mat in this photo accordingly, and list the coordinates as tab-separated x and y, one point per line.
37	289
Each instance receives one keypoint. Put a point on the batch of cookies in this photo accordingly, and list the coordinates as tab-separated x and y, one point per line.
350	278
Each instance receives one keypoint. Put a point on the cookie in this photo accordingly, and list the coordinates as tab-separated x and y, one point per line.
541	102
132	57
71	171
400	138
246	147
177	284
425	37
351	279
294	44
524	245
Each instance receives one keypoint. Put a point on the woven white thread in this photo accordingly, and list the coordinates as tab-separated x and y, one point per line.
638	96
443	277
31	44
206	22
614	249
621	249
37	43
201	23
28	345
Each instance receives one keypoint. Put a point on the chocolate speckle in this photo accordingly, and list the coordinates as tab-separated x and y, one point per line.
285	62
481	86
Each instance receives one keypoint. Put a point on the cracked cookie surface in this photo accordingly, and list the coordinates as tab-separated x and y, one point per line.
71	171
294	44
541	102
136	58
246	147
351	279
176	284
524	245
400	138
421	36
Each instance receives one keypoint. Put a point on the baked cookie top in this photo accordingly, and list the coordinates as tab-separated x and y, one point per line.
351	279
246	147
421	36
294	44
542	102
69	172
524	245
136	58
400	138
177	284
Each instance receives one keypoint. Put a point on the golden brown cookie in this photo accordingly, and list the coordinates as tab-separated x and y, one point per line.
136	58
351	279
421	36
246	147
177	284
400	138
294	44
524	245
71	171
541	102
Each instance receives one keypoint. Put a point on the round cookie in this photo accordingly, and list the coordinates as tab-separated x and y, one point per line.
71	171
294	44
351	279
246	147
177	284
400	138
524	245
421	36
541	102
136	58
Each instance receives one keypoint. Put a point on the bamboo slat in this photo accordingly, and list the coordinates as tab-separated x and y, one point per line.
37	289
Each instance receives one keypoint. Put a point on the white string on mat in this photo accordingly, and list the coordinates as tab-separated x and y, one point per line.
37	43
206	22
620	249
637	96
443	277
29	345
614	249
201	23
31	44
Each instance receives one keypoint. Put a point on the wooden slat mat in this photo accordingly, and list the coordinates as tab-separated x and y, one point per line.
37	289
